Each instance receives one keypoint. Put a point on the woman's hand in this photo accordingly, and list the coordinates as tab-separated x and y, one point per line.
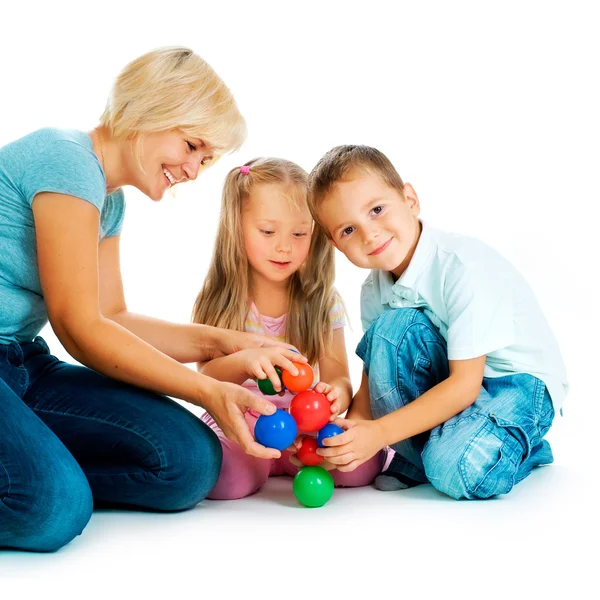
227	403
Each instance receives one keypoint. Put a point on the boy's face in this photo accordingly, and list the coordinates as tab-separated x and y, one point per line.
374	225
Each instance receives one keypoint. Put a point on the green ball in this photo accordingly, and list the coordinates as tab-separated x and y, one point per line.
313	486
265	385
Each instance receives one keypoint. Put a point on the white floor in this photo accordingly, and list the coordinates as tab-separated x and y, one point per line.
540	541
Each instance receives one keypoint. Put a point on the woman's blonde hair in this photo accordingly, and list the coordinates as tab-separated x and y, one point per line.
225	297
173	88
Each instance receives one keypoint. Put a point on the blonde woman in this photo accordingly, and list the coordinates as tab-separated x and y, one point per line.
106	432
272	274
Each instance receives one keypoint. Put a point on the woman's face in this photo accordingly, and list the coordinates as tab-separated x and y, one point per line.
168	158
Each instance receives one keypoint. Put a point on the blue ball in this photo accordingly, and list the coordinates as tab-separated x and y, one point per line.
328	431
278	430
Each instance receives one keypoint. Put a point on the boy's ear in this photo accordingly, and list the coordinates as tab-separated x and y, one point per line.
412	199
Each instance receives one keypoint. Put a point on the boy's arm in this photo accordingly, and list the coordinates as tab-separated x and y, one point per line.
438	404
362	439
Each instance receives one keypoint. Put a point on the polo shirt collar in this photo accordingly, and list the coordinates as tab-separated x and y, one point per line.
420	260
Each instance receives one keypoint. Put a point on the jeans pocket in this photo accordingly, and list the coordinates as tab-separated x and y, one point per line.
490	462
421	375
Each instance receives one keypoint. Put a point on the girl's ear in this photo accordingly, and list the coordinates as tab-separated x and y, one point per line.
333	244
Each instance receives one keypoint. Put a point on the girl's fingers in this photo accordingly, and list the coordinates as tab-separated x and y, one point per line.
288	365
258	371
271	373
296	462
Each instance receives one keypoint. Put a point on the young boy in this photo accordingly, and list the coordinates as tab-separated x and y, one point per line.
462	375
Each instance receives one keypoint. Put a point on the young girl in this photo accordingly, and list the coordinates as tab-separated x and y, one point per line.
271	274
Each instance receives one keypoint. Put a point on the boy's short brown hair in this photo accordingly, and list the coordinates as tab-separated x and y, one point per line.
338	164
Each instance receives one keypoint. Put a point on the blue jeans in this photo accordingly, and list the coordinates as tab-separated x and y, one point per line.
70	437
483	451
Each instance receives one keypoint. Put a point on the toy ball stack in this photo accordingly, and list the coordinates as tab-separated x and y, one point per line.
309	412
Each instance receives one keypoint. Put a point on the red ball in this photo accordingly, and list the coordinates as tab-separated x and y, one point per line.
307	453
310	410
300	382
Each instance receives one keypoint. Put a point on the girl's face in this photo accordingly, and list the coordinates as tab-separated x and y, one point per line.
276	233
168	158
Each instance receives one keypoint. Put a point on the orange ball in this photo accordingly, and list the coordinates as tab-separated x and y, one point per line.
300	382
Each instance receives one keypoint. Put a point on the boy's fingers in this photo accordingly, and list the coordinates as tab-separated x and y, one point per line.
351	466
343	459
338	440
345	423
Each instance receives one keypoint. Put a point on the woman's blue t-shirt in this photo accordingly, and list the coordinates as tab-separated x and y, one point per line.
48	160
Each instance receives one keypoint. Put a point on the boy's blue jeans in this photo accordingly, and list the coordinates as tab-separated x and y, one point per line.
70	437
483	451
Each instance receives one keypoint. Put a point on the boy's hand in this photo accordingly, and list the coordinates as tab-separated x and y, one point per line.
333	394
360	441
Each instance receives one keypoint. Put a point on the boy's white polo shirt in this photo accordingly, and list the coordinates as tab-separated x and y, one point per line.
479	302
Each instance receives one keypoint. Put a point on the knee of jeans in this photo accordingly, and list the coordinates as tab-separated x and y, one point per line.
54	512
474	459
192	461
396	320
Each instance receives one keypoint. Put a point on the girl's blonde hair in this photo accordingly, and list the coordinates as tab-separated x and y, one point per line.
225	296
173	88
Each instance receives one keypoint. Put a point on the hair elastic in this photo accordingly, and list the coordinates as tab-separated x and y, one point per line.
244	170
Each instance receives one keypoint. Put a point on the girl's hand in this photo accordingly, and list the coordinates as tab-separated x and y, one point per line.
259	363
227	405
293	450
332	392
360	441
228	341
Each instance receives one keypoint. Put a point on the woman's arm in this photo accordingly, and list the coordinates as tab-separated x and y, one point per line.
67	243
186	343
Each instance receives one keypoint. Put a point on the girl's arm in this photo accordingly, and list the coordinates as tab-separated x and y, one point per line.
335	374
256	363
361	403
67	230
186	343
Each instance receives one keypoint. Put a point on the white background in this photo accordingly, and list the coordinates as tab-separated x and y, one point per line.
491	112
